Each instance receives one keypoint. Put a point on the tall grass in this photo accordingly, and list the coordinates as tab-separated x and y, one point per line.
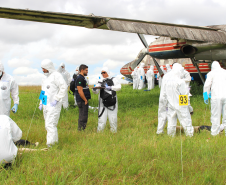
135	155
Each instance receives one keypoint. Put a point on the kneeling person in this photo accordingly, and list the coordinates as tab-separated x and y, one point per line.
9	133
108	102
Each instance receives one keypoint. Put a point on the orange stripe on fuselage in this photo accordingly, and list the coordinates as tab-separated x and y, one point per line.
164	49
171	44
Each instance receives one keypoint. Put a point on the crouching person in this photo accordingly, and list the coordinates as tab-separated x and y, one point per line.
9	133
108	102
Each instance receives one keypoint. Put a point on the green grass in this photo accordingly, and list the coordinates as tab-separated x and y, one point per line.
135	155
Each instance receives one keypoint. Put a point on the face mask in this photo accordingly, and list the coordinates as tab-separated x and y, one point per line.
46	74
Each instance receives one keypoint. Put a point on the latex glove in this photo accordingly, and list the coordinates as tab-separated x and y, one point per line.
40	107
15	108
107	87
53	104
210	95
206	101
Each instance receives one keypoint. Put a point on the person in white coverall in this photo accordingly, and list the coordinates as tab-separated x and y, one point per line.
150	76
8	86
215	84
135	78
185	75
110	112
159	77
9	133
163	107
168	68
141	76
76	74
172	88
55	89
153	83
67	77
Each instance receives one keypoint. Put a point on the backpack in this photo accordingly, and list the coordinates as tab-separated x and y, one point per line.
72	84
108	99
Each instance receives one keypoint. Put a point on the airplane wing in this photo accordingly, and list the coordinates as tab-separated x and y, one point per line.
195	33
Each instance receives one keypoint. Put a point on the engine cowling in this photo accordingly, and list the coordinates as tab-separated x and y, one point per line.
188	50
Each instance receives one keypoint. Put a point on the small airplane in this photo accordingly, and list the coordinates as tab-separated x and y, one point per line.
196	43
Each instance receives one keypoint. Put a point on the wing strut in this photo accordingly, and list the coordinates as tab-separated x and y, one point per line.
196	66
143	40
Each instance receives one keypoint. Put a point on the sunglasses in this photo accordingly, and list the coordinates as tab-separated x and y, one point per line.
103	73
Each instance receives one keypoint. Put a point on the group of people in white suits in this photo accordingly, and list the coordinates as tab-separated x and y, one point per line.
139	75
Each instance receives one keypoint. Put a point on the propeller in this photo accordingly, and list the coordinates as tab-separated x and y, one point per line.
143	53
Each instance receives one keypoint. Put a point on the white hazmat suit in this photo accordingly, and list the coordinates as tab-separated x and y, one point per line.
173	87
9	133
150	77
110	114
159	77
65	73
7	86
215	83
55	89
163	107
168	68
141	76
153	83
67	77
76	73
135	78
185	75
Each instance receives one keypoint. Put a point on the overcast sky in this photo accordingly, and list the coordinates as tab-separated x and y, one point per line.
23	44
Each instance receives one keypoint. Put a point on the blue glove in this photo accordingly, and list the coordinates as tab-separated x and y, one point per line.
210	95
53	104
40	107
206	101
107	87
15	108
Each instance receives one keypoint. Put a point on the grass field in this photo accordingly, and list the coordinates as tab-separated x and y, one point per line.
135	155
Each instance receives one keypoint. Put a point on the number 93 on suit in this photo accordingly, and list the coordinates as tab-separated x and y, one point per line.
183	100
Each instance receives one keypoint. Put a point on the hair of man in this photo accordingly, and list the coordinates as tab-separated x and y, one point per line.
82	67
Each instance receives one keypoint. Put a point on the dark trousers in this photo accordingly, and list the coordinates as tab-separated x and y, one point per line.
83	115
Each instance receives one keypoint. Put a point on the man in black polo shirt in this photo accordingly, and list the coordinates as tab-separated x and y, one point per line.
82	94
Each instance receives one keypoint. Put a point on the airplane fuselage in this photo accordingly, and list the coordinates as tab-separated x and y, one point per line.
168	51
